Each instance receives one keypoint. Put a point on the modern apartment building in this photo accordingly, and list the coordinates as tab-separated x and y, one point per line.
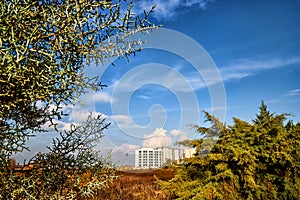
148	158
157	157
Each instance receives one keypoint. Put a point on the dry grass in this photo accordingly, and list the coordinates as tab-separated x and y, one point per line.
137	185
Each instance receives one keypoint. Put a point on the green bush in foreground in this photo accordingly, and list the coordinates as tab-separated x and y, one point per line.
258	160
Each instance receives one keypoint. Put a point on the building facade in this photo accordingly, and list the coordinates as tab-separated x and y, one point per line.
148	158
157	157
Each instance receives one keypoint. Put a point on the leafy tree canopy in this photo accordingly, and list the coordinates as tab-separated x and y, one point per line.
258	160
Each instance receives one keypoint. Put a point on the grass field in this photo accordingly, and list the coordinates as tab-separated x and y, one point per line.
137	185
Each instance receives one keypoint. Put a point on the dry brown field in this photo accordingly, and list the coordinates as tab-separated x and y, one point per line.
137	185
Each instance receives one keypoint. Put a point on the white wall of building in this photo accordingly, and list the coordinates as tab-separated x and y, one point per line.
148	158
157	157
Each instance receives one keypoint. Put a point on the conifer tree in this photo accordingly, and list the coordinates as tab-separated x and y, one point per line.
259	160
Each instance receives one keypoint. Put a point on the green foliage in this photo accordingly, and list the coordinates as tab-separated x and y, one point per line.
212	132
259	160
208	136
44	46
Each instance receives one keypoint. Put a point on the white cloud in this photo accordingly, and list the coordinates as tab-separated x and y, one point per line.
179	134
168	9
152	73
122	120
91	97
161	138
158	138
177	81
144	97
126	148
292	93
289	97
76	117
104	97
62	125
235	75
201	4
246	67
81	115
127	125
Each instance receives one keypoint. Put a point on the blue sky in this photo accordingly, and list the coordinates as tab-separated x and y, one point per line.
254	47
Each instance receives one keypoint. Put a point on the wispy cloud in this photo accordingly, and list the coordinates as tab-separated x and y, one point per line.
292	93
104	97
187	82
287	97
144	97
91	97
246	67
169	9
153	74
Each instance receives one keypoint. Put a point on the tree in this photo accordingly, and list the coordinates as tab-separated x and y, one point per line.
71	169
207	136
45	46
258	160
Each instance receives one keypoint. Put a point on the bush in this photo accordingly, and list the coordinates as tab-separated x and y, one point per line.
258	160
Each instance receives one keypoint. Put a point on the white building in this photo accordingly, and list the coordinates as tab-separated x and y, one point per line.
148	158
157	157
